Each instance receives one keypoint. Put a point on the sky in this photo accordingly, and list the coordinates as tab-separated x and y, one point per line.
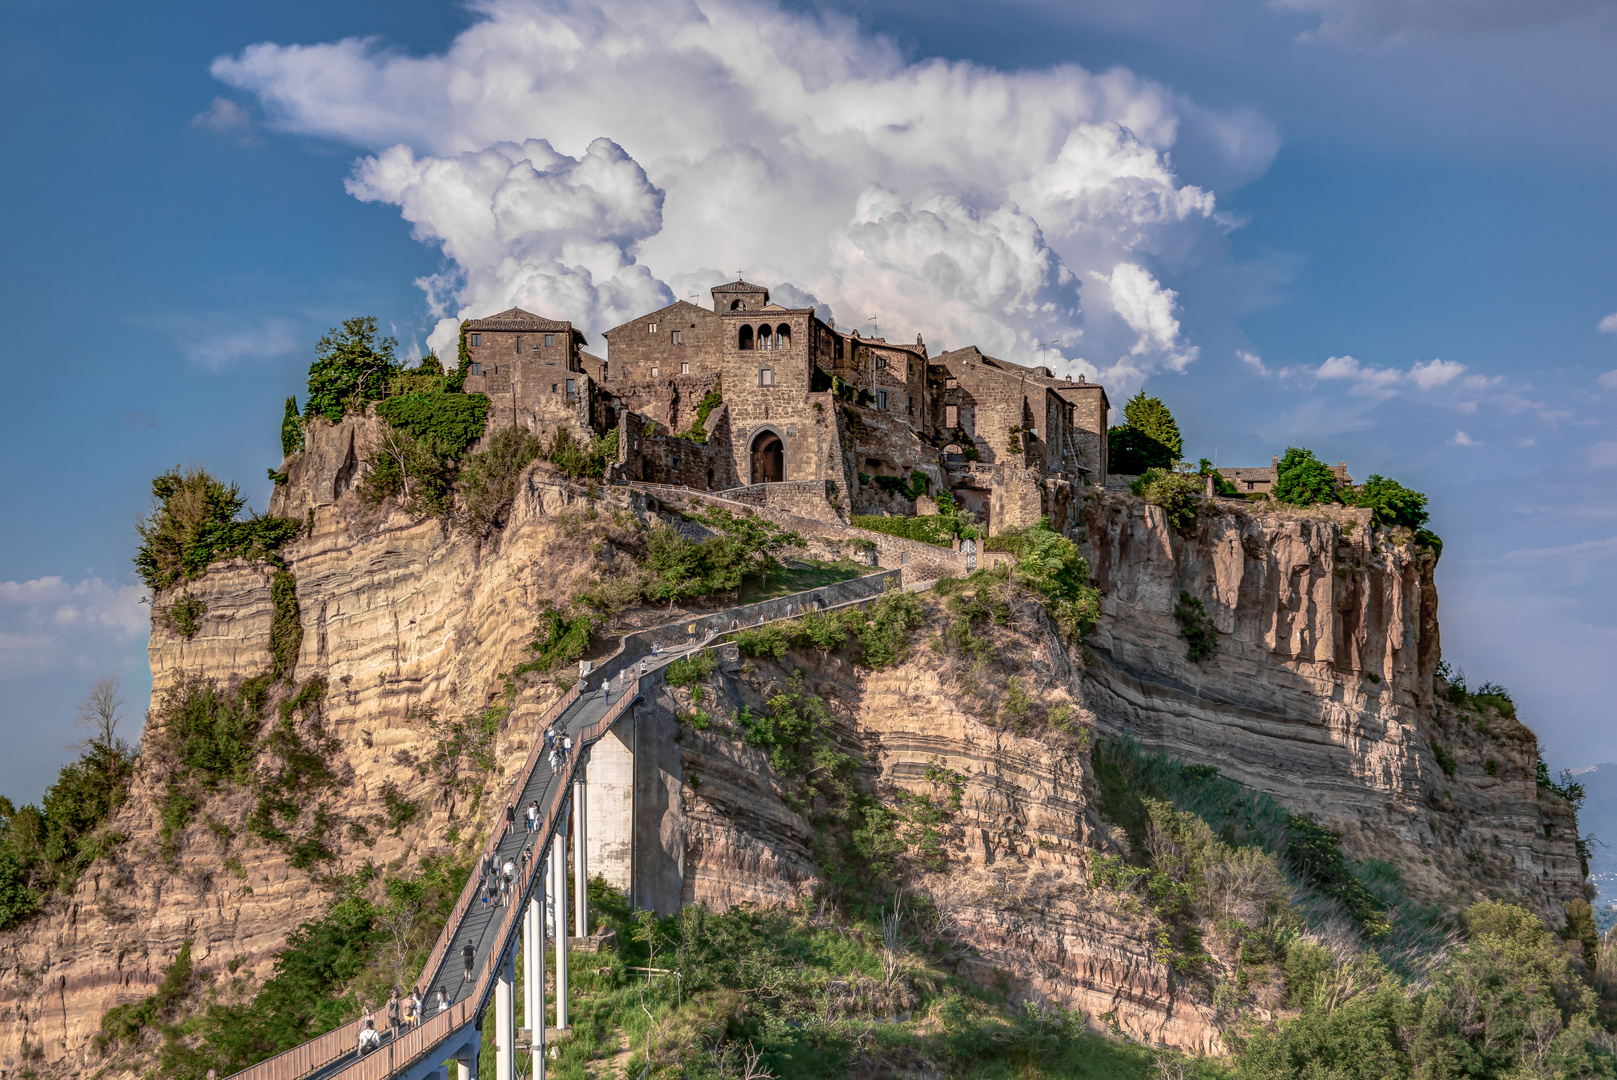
1380	229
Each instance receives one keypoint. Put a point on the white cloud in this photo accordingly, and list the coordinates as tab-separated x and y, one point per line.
1252	360
695	139
48	620
225	117
1376	23
218	340
1608	380
1603	455
1462	439
1608	325
1435	373
1365	379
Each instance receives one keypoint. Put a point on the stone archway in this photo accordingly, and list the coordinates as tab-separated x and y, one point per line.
768	456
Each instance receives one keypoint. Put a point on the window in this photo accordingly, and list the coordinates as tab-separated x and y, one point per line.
474	339
766	338
766	376
677	340
654	373
550	341
951	416
603	370
675	461
881	400
735	304
881	363
951	384
684	369
571	390
552	388
744	339
912	404
836	348
652	328
907	371
783	336
477	369
519	343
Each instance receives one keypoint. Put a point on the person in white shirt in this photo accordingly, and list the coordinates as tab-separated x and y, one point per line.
369	1037
443	999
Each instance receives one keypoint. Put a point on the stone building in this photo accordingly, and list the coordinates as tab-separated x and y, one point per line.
1258	481
848	424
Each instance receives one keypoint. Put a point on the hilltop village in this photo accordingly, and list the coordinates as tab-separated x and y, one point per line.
820	422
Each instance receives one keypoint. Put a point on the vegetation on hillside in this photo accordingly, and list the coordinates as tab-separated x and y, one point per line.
194	522
941	528
351	368
44	849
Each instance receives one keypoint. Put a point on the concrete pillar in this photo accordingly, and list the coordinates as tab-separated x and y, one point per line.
533	960
611	804
581	870
505	1026
559	865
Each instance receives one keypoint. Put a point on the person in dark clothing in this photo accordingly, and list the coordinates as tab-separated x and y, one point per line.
469	955
510	817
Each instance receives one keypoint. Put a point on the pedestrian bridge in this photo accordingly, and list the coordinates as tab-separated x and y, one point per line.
537	903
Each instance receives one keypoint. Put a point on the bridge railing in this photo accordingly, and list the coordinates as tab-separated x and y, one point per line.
412	1046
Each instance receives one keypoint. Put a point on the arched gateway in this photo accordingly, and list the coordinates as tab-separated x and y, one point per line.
768	458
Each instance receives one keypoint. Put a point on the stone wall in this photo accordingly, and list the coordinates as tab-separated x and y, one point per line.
661	458
644	350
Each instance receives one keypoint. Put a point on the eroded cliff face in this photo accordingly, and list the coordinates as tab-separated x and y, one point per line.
401	616
398	616
1321	692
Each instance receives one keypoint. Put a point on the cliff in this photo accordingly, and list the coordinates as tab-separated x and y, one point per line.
1321	693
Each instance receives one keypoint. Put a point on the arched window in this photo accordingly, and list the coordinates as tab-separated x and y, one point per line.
783	336
735	305
745	342
766	338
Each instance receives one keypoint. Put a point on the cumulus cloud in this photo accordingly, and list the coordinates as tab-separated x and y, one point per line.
48	620
1462	439
1608	380
1371	381
1608	325
1377	23
596	160
1253	361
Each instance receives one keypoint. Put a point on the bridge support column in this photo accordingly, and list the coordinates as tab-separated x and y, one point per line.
533	965
505	1033
559	868
581	872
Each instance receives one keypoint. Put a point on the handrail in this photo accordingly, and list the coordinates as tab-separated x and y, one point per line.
299	1061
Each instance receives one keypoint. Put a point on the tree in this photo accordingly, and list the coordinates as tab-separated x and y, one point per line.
753	544
1149	416
1149	440
1392	503
291	429
1050	564
100	712
1303	479
350	368
1221	487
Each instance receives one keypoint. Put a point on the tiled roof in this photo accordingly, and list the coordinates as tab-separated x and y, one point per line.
739	286
516	319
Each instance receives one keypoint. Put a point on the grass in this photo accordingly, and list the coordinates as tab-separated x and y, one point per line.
802	576
809	992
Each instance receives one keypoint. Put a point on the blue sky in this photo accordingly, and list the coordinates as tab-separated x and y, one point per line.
1381	230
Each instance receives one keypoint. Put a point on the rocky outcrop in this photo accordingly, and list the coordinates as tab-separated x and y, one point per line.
1321	692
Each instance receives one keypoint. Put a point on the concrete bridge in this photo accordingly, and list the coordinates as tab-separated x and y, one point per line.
474	960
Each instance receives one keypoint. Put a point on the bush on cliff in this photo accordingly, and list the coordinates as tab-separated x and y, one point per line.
446	423
1179	495
488	479
1393	504
1050	565
193	523
1302	479
351	368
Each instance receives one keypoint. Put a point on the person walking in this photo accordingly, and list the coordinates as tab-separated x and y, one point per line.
443	997
468	956
550	737
566	747
369	1037
410	1011
533	815
510	818
419	1006
393	1012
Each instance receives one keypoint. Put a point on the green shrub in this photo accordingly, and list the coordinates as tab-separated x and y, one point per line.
1315	854
1301	479
912	488
127	1023
184	615
1196	627
939	529
1221	487
286	625
1392	503
1445	760
581	461
562	639
884	628
291	429
1051	566
1179	495
488	478
446	423
697	432
193	523
427	377
769	640
351	368
690	670
409	469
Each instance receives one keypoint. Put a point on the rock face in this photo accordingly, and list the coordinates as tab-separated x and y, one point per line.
1321	693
